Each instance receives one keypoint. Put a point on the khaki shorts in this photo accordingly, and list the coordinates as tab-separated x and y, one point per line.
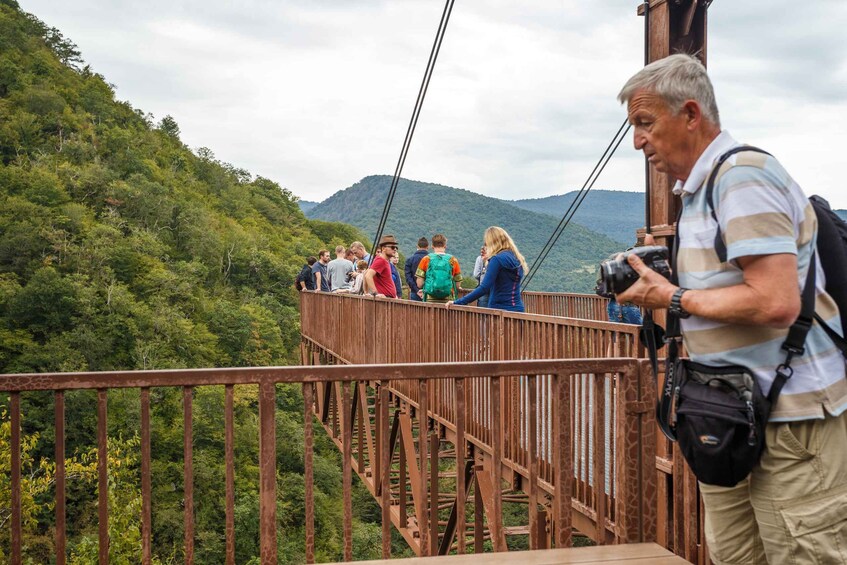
792	509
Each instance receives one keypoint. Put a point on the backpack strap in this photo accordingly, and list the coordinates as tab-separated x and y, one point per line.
720	246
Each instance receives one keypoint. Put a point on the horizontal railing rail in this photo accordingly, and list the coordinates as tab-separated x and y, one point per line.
565	304
361	329
362	408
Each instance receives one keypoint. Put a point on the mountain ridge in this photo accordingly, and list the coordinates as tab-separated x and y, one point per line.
463	215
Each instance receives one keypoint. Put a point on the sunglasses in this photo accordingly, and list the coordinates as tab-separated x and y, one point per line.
391	246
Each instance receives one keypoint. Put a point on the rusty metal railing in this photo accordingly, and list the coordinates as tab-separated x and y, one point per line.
349	329
363	407
565	304
359	329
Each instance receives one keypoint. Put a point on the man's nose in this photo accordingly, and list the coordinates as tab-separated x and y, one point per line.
639	140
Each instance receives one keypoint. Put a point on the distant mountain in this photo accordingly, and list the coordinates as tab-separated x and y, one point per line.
423	209
842	214
306	205
614	213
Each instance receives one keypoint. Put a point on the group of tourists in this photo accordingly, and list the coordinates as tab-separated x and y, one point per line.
433	276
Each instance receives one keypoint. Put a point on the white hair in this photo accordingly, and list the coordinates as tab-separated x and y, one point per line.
675	79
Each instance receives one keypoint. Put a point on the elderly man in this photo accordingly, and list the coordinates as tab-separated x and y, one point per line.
792	508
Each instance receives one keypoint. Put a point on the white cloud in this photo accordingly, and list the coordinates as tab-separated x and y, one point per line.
317	95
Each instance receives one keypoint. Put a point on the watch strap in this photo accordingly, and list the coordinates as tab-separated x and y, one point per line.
676	304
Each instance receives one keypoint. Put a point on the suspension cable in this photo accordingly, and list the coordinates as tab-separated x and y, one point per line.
577	202
410	131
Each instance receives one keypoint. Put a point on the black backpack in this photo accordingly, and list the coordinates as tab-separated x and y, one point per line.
831	245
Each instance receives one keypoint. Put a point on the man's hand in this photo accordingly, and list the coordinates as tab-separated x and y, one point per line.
651	290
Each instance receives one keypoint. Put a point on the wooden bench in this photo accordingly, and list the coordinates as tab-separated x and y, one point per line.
628	554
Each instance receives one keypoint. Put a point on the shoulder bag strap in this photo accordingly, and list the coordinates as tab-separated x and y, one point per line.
720	246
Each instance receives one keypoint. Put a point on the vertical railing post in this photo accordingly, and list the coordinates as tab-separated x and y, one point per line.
533	462
59	398
385	477
188	471
15	416
309	470
599	456
461	487
433	503
562	461
423	458
102	479
229	458
267	473
347	471
495	523
146	487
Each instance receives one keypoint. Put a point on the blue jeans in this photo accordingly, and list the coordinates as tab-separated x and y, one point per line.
482	301
626	314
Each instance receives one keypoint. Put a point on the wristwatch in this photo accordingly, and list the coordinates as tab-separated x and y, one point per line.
676	304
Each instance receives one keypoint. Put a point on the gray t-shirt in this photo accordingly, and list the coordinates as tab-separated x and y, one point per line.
337	270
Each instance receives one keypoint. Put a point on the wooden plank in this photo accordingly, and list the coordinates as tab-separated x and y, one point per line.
630	554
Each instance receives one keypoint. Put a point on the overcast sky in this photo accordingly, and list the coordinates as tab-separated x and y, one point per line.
318	94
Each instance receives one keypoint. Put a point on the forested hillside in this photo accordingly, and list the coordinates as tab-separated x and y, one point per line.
614	213
423	209
120	248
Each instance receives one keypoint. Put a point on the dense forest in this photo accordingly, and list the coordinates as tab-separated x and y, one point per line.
121	248
422	209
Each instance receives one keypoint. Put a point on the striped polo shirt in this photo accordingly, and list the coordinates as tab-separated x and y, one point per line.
761	211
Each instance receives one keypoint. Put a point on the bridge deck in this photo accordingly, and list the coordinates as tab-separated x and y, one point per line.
629	554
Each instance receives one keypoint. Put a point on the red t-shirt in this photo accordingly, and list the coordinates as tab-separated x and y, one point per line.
382	279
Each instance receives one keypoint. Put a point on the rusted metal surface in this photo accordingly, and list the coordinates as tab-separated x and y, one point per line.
461	475
423	460
347	471
229	463
15	446
146	484
267	473
102	478
59	401
188	471
385	477
309	469
512	419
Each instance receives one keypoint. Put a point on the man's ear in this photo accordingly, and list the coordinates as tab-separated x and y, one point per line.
693	114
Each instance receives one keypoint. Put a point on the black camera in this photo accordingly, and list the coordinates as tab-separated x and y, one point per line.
617	276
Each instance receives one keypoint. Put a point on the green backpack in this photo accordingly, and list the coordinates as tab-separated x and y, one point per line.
439	277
